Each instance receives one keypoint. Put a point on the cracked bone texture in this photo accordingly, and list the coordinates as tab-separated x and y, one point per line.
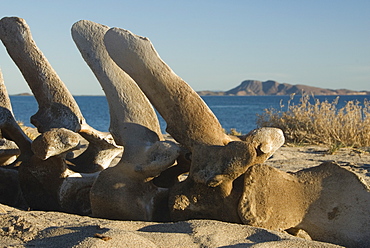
57	107
127	192
189	120
9	152
46	175
329	202
9	127
133	121
55	142
226	180
219	178
134	124
216	161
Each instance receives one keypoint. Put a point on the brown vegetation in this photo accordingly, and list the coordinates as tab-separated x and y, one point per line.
321	122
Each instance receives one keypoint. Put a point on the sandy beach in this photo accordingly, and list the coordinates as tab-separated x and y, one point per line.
52	229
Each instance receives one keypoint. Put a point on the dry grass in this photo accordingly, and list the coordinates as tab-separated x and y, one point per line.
32	133
233	131
321	122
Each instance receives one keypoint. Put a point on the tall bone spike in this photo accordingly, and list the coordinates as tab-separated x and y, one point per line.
189	120
57	107
9	127
126	191
132	118
216	160
11	192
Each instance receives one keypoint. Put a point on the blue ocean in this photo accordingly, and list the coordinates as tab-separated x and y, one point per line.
238	112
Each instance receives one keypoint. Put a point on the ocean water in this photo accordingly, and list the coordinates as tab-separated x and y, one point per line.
237	112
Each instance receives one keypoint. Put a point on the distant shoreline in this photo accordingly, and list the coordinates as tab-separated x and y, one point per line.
200	94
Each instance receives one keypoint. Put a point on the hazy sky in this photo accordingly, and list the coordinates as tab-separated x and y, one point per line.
211	44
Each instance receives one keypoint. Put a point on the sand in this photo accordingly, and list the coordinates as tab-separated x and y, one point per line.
54	229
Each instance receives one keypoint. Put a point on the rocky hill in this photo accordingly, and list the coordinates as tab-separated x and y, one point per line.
270	87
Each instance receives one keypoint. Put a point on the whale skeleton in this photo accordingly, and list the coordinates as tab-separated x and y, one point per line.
227	179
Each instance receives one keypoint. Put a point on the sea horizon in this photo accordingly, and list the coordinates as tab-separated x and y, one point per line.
233	112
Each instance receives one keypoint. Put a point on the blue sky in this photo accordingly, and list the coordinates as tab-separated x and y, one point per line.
213	45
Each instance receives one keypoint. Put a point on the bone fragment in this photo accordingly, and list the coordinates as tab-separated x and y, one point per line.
126	191
9	152
329	202
55	142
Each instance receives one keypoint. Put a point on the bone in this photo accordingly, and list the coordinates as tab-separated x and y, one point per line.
8	125
217	160
133	121
57	107
189	120
100	152
9	152
45	175
70	190
55	142
219	178
126	191
328	202
10	191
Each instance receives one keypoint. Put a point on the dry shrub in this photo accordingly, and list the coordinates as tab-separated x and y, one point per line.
321	122
31	132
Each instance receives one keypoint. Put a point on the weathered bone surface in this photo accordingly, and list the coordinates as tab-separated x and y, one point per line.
55	142
131	114
227	180
219	178
10	190
189	120
57	107
9	127
49	171
125	191
9	152
73	193
216	161
330	203
100	152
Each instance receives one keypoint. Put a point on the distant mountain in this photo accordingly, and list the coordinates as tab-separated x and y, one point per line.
23	94
270	87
